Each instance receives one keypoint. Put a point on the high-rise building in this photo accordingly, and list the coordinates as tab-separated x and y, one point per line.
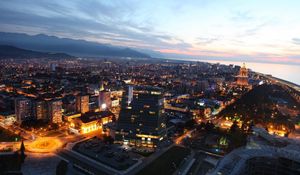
141	122
82	103
242	78
40	110
93	104
130	94
69	104
203	85
104	100
53	67
23	109
55	111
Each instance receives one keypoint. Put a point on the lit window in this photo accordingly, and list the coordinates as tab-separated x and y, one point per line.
152	112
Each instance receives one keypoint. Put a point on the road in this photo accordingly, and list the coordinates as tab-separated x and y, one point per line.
179	139
43	146
278	80
195	164
16	129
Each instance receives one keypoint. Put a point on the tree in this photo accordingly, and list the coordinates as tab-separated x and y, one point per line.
243	127
108	139
201	126
250	129
190	123
234	127
54	126
236	136
22	152
209	126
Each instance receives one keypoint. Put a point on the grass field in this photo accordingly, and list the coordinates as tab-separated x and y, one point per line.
164	164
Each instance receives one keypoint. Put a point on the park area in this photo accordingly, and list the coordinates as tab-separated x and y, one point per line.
167	163
7	136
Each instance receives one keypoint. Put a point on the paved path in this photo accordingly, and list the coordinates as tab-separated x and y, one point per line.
36	163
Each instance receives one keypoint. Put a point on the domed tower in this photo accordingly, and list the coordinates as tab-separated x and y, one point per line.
242	78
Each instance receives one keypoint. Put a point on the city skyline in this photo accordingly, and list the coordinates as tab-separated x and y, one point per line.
160	87
230	30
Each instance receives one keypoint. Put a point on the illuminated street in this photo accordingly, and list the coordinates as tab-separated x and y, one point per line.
179	139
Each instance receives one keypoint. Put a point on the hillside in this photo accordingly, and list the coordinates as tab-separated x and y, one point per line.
262	104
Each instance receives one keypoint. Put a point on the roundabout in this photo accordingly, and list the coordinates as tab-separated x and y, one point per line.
44	145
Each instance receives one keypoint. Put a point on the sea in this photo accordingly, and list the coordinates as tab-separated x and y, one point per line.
286	72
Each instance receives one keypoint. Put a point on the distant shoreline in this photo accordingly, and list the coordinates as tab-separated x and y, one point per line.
274	74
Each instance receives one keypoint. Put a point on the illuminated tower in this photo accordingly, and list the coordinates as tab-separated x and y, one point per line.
242	78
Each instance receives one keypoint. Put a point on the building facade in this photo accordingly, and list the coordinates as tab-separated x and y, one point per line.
141	122
55	111
41	110
89	122
82	103
104	100
242	78
23	109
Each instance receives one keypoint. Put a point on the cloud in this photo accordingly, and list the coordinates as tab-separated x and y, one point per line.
95	21
171	26
296	41
206	40
242	16
253	30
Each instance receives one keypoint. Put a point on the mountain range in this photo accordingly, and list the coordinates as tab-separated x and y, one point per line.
7	51
43	43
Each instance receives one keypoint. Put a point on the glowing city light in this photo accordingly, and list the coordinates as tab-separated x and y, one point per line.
103	106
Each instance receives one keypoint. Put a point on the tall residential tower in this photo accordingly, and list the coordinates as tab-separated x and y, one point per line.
141	122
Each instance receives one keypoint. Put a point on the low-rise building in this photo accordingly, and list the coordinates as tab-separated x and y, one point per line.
90	121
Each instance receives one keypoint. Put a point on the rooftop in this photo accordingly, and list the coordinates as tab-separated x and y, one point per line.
91	116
